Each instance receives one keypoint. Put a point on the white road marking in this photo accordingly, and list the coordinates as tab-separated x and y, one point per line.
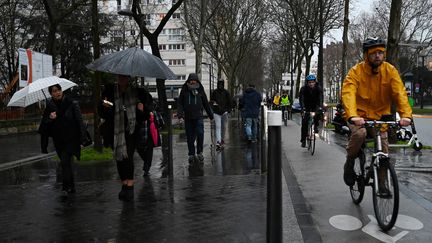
345	222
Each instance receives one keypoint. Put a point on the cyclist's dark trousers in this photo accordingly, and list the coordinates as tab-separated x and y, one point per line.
283	109
304	127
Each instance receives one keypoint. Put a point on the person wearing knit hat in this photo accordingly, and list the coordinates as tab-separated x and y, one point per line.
191	103
368	91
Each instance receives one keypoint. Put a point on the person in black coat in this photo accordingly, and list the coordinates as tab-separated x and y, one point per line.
310	101
62	120
191	103
222	104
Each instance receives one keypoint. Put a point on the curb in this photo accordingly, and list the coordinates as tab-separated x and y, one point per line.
415	169
25	161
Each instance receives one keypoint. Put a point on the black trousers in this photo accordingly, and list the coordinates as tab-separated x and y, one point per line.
126	167
66	159
304	127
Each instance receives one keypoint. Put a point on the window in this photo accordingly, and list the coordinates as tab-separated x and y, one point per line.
162	47
176	62
176	46
176	16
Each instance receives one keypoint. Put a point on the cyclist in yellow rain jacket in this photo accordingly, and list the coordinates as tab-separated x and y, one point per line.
368	91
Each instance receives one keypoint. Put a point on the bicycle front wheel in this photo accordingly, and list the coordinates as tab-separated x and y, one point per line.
386	198
311	140
357	191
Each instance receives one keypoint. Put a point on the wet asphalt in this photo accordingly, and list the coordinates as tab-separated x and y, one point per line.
221	201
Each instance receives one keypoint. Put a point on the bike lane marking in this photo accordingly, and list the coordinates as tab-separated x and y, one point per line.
351	223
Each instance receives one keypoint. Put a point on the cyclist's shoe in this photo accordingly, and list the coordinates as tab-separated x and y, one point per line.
200	157
349	175
303	144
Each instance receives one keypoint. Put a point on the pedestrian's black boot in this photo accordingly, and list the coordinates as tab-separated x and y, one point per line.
129	193
122	193
349	175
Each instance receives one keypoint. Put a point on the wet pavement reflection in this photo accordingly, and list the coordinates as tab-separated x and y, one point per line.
237	158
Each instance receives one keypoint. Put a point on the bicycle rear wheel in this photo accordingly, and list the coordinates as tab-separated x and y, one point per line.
386	202
357	191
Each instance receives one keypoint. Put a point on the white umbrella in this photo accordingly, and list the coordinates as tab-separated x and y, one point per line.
37	91
134	62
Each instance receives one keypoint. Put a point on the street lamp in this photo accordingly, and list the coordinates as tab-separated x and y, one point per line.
422	54
210	65
420	47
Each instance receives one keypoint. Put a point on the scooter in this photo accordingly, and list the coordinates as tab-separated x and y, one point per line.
405	135
339	122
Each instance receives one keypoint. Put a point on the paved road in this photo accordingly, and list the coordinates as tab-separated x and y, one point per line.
320	179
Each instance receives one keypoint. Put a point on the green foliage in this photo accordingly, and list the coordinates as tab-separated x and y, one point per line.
424	111
90	156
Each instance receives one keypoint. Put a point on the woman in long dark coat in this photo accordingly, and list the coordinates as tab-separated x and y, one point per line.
62	120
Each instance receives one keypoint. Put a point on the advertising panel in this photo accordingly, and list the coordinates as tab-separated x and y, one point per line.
32	66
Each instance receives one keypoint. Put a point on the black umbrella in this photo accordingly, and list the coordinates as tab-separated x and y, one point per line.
134	62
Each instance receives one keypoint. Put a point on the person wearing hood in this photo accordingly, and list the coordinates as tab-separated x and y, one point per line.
368	91
222	104
191	103
251	105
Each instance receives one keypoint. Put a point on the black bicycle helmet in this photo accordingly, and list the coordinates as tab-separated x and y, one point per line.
373	42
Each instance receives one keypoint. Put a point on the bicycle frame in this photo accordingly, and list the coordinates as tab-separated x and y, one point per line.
385	189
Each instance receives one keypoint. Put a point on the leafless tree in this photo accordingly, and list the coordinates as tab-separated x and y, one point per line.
197	15
236	29
16	18
152	37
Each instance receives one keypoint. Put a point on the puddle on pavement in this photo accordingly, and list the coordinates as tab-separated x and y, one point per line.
49	171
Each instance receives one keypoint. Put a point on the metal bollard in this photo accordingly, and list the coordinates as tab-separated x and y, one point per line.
170	144
274	177
263	136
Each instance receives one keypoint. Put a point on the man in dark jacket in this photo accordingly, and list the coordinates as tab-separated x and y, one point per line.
251	104
222	105
191	102
310	101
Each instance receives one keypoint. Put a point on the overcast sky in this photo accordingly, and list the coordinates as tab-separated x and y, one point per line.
356	8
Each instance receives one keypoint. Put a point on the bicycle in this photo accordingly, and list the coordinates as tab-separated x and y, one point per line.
310	139
385	193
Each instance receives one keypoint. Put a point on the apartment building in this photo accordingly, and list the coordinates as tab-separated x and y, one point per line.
175	50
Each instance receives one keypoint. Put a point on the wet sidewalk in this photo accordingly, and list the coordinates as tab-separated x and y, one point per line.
222	201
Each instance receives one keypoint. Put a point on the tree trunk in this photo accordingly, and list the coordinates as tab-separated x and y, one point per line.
392	50
96	78
394	32
344	44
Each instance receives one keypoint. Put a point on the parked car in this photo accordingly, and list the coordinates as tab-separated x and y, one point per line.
295	107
